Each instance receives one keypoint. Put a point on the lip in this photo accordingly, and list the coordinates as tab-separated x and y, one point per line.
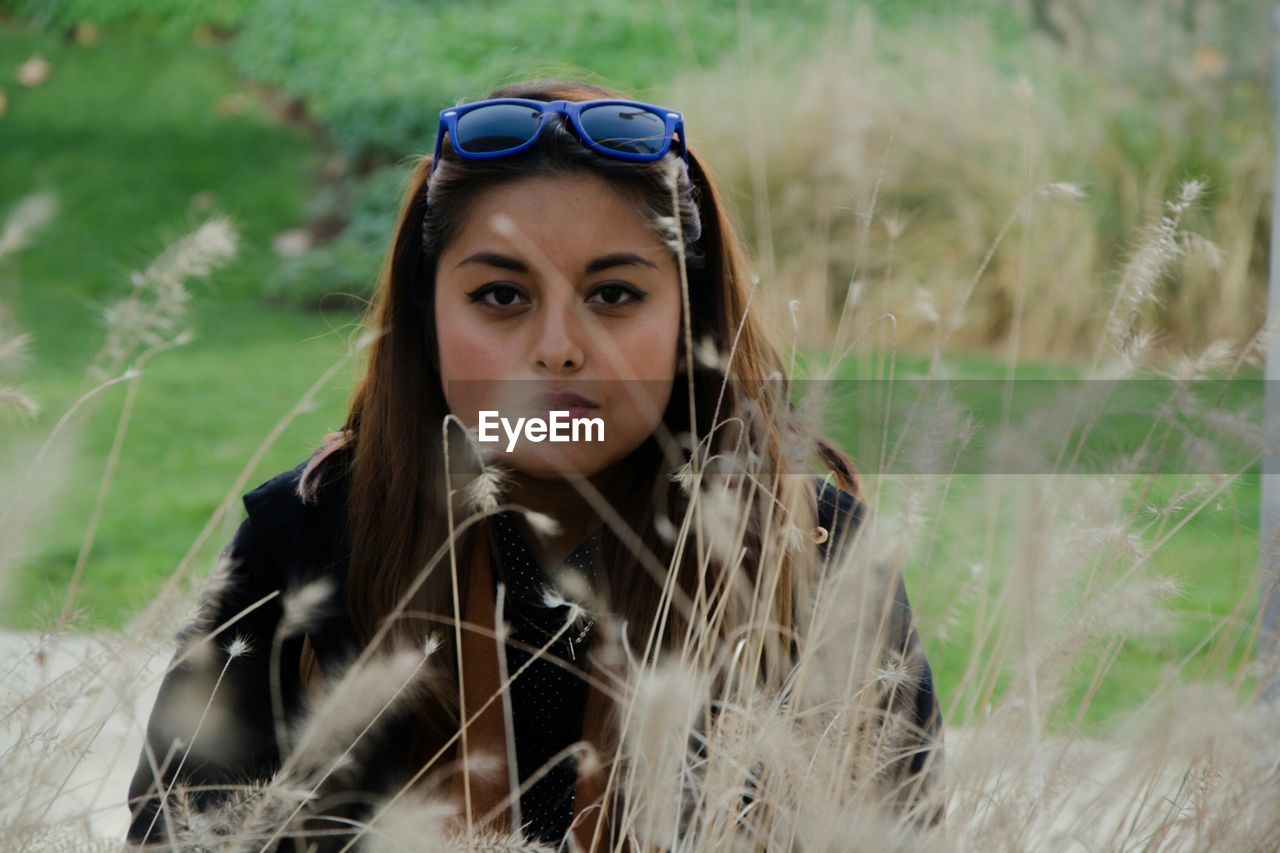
568	400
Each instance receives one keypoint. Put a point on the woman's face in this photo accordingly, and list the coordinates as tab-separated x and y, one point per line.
558	284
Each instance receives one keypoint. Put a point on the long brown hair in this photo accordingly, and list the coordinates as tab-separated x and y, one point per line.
395	460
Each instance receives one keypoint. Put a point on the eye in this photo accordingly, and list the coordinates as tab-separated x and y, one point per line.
504	295
617	295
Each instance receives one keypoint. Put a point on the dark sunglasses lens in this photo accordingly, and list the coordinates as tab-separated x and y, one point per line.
623	128
498	127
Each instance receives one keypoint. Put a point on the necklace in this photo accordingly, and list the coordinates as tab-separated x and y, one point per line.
571	641
589	623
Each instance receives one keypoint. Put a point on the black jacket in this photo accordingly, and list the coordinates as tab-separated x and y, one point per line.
281	545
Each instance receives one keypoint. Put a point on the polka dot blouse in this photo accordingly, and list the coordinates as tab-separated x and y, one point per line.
547	700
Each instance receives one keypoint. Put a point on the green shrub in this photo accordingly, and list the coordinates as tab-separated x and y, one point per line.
376	74
172	18
375	200
337	276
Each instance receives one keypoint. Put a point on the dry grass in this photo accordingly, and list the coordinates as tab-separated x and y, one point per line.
951	140
814	765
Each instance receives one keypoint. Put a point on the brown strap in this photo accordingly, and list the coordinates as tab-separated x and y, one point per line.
309	670
487	734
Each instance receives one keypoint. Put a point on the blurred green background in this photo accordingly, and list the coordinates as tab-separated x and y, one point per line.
942	119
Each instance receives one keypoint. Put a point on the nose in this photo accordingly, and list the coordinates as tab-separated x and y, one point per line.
557	347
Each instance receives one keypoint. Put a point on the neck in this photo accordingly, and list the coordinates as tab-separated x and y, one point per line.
556	498
560	499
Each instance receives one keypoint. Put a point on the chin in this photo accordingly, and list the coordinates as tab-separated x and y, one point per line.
556	461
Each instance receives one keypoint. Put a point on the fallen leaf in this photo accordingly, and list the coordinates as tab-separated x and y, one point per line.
292	243
1209	62
34	72
204	201
86	33
233	104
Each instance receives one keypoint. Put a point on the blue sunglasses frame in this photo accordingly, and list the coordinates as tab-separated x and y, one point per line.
673	124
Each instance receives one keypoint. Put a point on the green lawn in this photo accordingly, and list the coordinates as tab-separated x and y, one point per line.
1213	556
129	134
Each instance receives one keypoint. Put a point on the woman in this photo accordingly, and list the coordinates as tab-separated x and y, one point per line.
551	256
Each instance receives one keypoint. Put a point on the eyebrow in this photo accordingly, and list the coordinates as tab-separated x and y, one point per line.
604	262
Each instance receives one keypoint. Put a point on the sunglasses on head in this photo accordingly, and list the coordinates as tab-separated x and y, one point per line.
501	127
